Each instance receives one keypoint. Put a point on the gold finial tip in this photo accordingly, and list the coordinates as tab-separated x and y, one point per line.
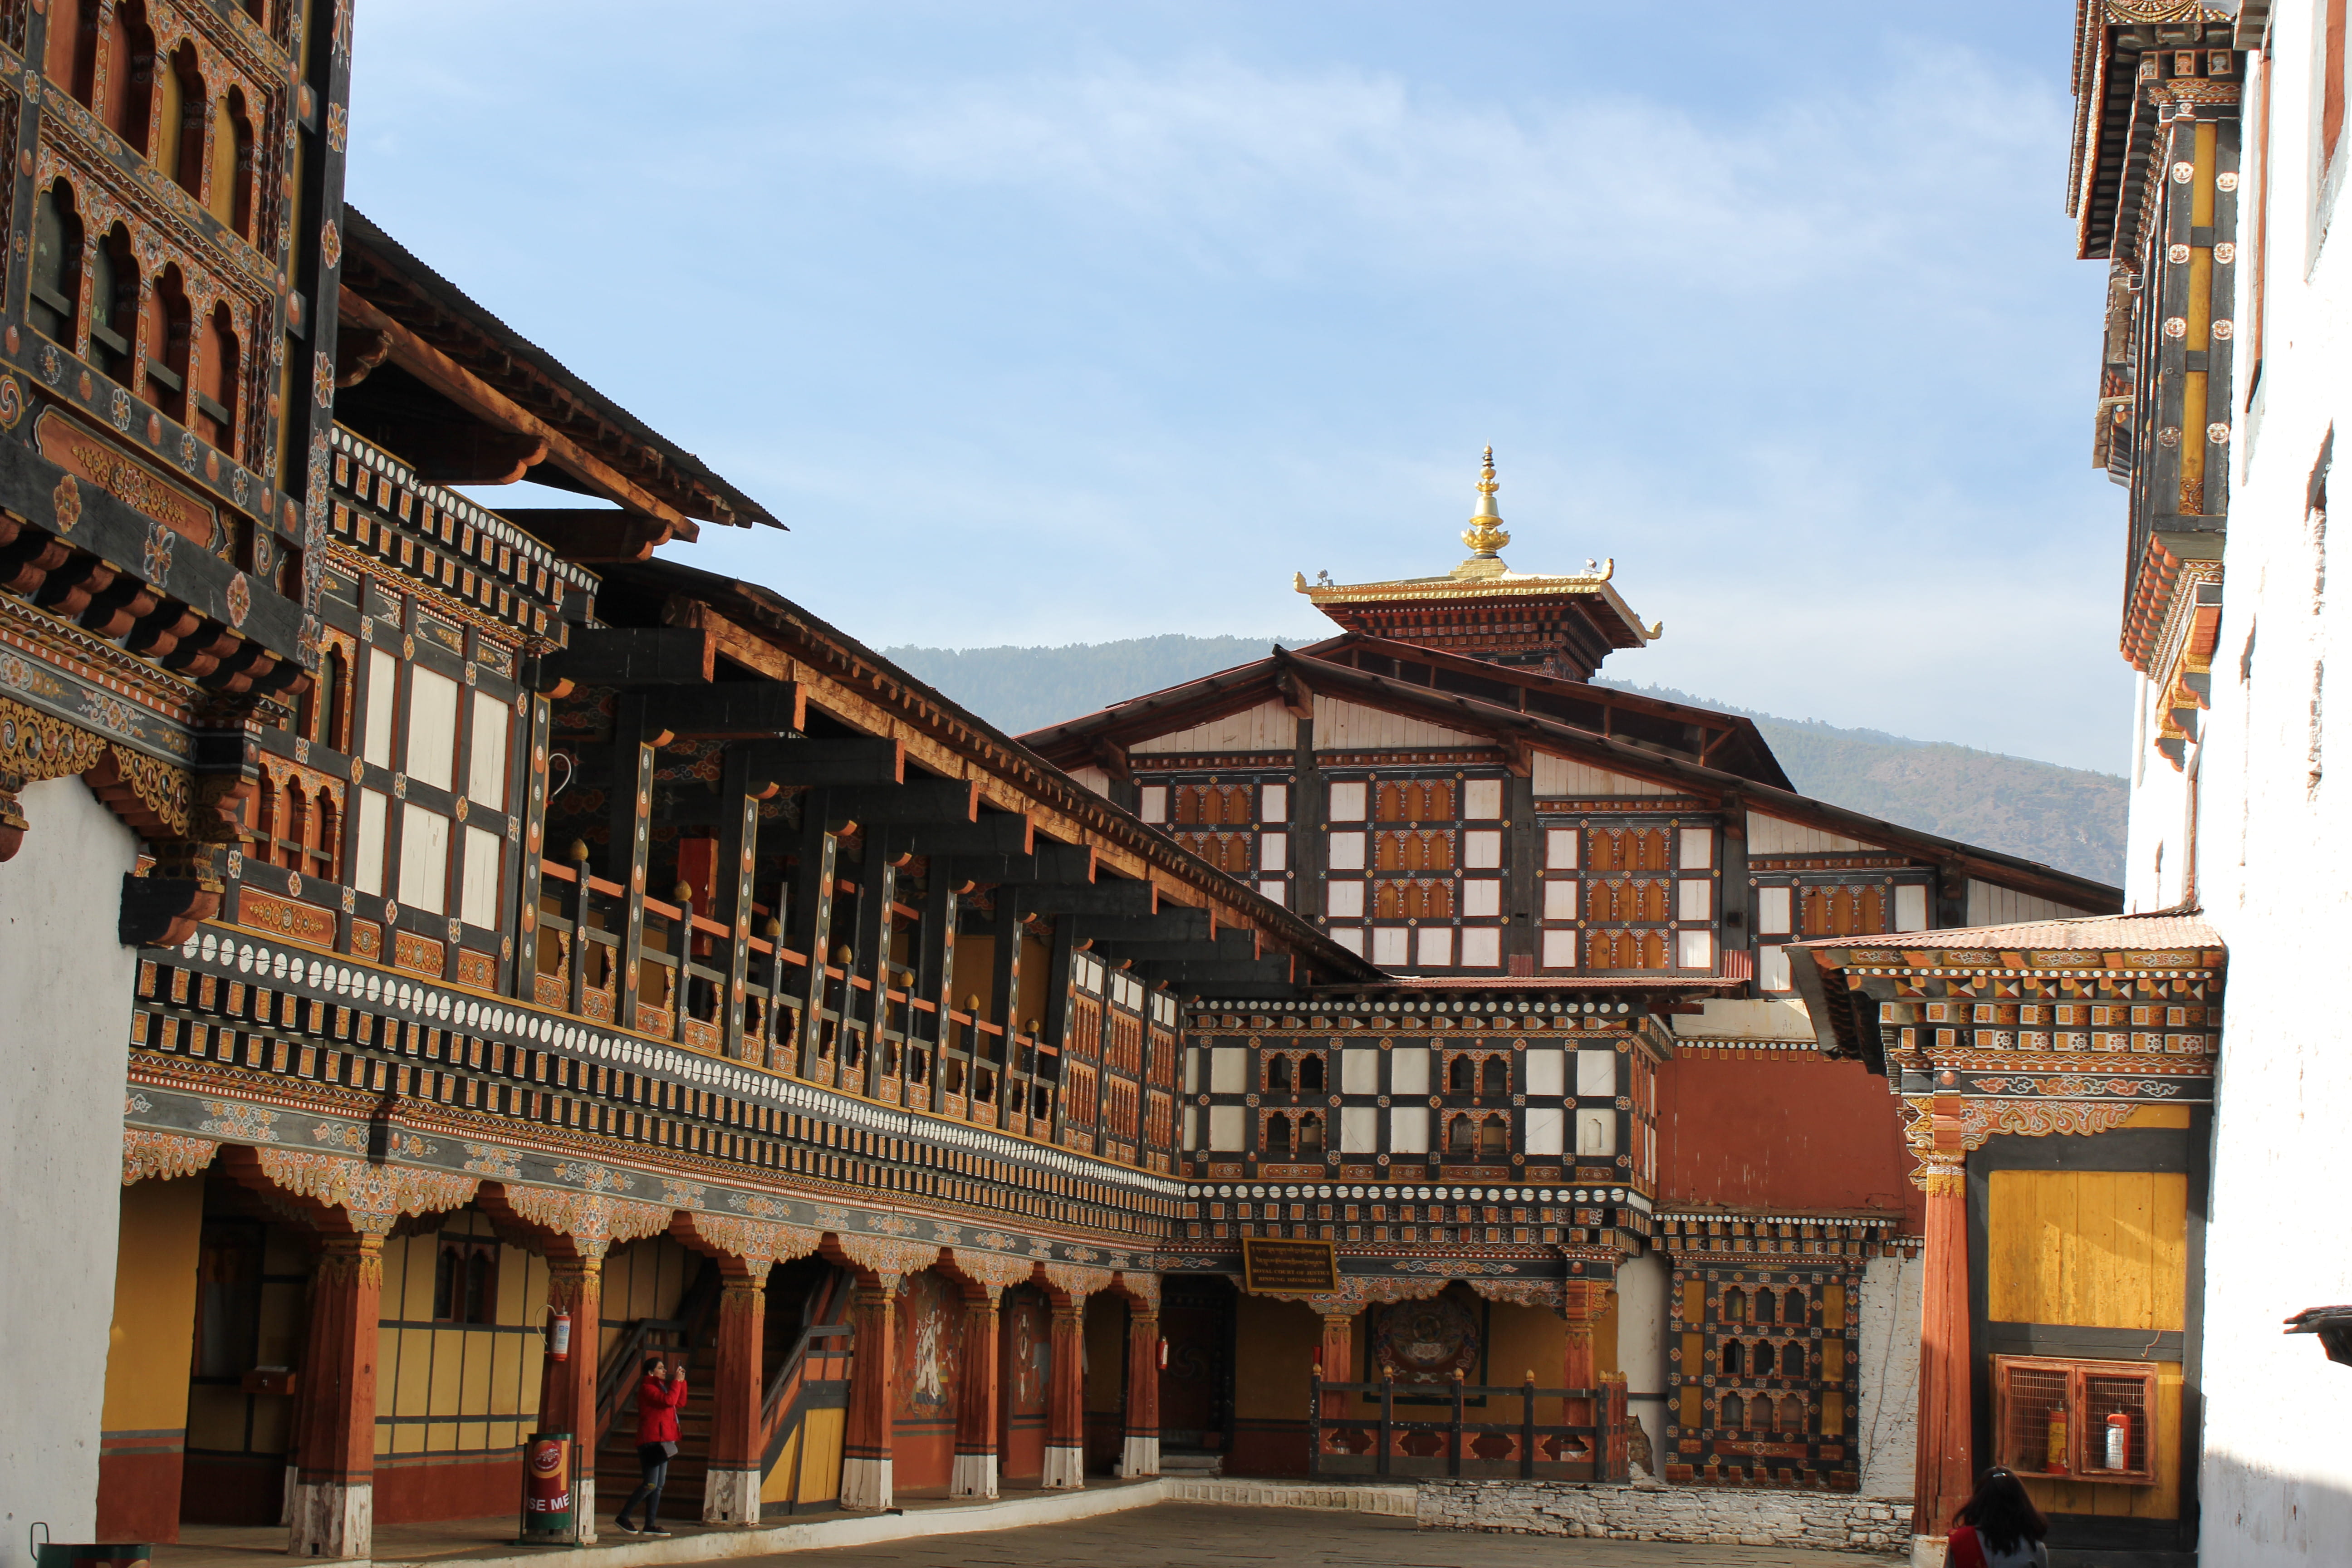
1488	484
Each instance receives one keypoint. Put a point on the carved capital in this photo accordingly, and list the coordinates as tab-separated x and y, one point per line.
753	1246
343	1193
583	1225
163	1155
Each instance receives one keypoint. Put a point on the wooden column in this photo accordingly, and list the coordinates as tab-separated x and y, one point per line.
1336	1357
1945	1465
529	798
1582	1302
739	840
567	1396
332	1513
1141	1454
730	1486
812	920
636	740
866	1444
977	1399
1066	1396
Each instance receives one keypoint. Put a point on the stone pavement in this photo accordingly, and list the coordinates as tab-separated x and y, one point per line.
1187	1535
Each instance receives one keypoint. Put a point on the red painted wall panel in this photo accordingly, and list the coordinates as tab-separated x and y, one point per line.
464	1488
1781	1130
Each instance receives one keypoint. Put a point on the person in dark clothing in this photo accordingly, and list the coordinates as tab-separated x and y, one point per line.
1999	1527
659	1402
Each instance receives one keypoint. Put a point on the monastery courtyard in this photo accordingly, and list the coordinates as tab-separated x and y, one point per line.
1184	1535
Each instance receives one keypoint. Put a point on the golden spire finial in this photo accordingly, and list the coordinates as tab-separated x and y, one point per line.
1486	535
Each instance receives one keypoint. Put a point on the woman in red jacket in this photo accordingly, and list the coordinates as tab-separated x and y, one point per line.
659	1402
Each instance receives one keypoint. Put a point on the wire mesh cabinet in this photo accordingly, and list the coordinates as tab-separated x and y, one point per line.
2085	1420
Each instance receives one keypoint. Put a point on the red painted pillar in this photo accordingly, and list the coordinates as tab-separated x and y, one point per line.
1945	1466
333	1508
567	1400
1582	1302
1336	1357
1066	1396
976	1399
865	1446
731	1487
1140	1455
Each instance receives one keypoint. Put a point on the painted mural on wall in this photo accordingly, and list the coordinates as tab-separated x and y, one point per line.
930	1348
1426	1342
1031	1352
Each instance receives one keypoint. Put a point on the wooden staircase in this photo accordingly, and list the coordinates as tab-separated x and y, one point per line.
693	1334
811	1371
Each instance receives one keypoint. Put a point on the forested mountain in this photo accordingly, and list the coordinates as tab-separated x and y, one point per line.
2065	817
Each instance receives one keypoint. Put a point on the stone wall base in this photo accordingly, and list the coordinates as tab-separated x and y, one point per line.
1719	1516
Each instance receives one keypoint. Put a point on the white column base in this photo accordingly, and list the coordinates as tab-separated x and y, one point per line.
731	1497
331	1519
1064	1468
866	1483
584	1510
1928	1551
975	1476
1141	1457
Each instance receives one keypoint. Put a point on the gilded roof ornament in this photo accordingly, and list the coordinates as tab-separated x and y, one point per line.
1486	535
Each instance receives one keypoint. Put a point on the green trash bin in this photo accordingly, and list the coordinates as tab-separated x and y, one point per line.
112	1555
548	1498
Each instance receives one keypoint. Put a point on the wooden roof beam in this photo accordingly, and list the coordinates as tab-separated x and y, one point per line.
477	397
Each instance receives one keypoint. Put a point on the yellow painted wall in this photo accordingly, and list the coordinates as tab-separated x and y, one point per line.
1274	1343
2105	1249
485	1378
816	1452
149	1348
975	974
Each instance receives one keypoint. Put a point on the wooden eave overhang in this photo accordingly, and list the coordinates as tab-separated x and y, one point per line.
434	331
1593	597
1844	1010
2113	120
1726	740
770	634
1285	674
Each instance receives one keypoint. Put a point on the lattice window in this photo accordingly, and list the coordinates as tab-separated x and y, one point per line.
1413	849
1859	910
1629	849
1213	804
1417	800
1762	1377
1228	852
1401	899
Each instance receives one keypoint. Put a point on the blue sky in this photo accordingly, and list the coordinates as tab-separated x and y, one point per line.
1048	324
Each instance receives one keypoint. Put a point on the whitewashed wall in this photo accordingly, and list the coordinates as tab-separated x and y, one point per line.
1889	1374
2274	872
66	988
1642	1285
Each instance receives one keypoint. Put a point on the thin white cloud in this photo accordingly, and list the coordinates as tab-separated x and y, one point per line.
1282	171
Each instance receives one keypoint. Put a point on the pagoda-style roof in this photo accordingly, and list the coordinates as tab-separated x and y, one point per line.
1563	624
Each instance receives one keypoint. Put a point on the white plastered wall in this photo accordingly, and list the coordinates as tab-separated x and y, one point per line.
65	1023
1888	1348
1642	1344
2274	862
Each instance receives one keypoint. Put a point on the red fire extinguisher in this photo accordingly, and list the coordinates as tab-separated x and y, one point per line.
559	1342
1164	1356
2119	1442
